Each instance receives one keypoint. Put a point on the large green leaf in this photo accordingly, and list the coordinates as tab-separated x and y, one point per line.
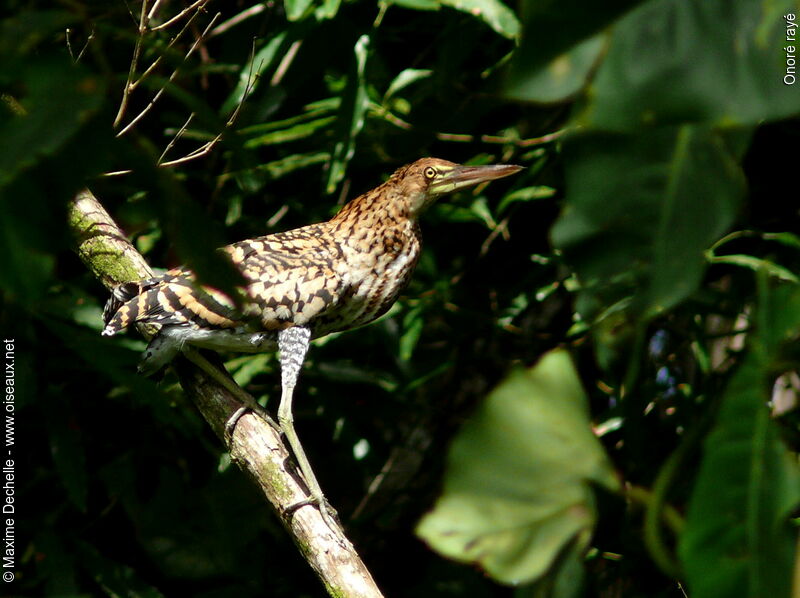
738	541
642	209
712	61
561	78
560	44
517	487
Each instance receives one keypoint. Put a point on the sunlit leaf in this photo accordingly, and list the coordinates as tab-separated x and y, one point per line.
328	9
297	9
523	195
300	131
754	263
418	4
517	489
280	168
404	79
492	12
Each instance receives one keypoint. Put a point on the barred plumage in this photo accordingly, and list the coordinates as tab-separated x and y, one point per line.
301	284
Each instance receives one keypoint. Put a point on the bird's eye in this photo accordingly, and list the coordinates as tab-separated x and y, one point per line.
429	172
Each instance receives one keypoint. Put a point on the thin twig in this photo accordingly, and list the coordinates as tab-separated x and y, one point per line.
199	5
152	13
86	45
398	122
137	49
233	21
171	78
175	139
208	146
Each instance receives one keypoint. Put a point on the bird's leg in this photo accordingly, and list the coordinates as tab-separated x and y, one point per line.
293	345
248	402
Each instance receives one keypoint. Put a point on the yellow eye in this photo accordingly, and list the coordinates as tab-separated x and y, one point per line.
429	172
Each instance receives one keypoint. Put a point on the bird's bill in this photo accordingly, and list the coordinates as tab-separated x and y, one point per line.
460	177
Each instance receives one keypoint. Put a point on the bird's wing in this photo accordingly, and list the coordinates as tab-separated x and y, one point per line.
291	276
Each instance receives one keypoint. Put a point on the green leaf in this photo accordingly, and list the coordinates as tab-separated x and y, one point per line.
251	73
492	12
523	195
738	541
754	263
641	210
404	79
787	239
418	4
280	168
710	61
297	9
328	9
293	133
563	77
552	29
413	324
351	115
58	99
517	486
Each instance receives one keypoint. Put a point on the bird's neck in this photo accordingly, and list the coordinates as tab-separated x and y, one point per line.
382	207
376	229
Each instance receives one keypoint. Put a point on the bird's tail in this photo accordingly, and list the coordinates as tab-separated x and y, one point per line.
171	299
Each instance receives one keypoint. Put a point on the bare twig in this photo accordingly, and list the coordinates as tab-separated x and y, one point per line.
89	39
175	138
242	16
208	146
255	446
197	6
157	61
86	45
137	50
398	122
171	78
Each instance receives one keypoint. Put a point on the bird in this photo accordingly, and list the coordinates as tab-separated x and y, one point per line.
301	284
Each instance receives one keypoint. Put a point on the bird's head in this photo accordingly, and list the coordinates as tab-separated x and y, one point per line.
427	179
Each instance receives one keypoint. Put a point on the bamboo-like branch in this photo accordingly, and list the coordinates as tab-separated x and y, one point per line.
255	446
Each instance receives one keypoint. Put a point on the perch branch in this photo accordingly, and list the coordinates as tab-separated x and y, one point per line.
254	445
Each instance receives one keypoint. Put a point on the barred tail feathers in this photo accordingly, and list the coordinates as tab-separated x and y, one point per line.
172	299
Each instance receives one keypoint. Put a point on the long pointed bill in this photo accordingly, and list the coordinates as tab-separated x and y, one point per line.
467	176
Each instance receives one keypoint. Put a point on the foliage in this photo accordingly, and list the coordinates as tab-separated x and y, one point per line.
649	238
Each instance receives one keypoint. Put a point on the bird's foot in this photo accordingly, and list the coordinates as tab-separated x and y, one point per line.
230	425
329	514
